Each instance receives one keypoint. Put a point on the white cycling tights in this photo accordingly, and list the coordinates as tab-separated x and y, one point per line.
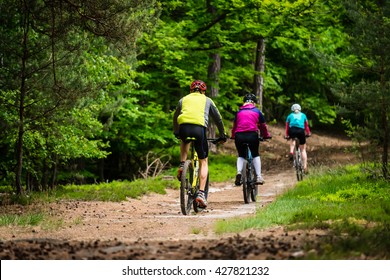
256	163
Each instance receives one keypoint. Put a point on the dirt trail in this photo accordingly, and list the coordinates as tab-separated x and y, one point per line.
154	228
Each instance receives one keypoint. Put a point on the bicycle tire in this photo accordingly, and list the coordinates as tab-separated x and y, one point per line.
246	183
254	187
187	194
206	193
298	166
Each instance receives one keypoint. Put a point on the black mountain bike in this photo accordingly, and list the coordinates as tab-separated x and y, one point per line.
249	187
189	185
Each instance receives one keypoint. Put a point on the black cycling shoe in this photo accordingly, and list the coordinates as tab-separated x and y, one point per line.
238	180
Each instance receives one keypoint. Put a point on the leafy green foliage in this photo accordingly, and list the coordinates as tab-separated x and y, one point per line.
58	71
366	98
94	99
298	37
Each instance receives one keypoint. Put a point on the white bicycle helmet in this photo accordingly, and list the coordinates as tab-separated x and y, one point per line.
296	107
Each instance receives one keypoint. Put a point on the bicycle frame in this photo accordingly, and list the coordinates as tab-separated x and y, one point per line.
195	166
189	182
189	185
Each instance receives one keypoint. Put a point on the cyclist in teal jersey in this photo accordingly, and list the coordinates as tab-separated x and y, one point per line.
297	126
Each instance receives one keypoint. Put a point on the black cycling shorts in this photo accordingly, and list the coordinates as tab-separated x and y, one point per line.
199	133
298	133
251	138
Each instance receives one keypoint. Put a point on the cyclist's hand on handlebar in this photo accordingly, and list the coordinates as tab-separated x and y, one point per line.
216	141
220	139
262	139
223	138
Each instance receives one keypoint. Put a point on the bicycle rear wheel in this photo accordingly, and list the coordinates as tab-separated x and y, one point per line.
298	165
206	192
246	178
187	194
254	187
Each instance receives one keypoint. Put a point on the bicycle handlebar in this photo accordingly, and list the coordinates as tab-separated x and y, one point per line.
288	137
218	140
262	139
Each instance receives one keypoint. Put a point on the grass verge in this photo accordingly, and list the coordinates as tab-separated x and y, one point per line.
354	208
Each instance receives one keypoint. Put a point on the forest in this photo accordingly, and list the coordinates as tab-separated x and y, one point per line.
88	87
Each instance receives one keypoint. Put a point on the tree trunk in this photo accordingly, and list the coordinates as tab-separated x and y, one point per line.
23	90
385	159
213	73
385	126
213	76
259	69
101	170
55	171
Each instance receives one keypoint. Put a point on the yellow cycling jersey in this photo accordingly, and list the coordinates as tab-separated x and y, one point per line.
195	108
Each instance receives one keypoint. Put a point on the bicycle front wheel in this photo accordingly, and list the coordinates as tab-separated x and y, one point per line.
246	178
187	193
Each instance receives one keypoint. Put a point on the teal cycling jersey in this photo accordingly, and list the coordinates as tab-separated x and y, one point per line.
296	120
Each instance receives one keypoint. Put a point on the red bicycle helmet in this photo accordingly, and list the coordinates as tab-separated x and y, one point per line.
198	84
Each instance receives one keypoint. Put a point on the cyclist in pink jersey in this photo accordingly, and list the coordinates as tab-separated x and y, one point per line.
248	125
297	126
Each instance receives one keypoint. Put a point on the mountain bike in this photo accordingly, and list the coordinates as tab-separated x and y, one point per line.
189	184
297	159
249	187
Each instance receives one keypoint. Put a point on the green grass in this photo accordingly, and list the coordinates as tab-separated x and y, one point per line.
40	218
21	220
114	191
344	201
222	168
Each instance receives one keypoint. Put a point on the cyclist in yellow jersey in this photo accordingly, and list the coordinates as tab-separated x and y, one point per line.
191	119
